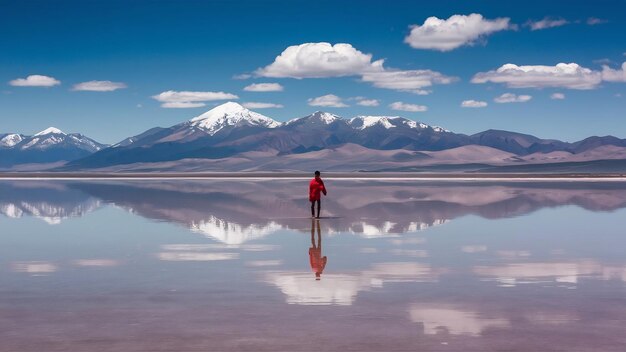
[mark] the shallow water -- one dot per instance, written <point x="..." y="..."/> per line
<point x="227" y="265"/>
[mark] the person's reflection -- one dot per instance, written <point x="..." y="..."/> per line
<point x="318" y="263"/>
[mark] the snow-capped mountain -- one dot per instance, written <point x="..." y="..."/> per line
<point x="317" y="118"/>
<point x="230" y="114"/>
<point x="8" y="140"/>
<point x="48" y="146"/>
<point x="200" y="137"/>
<point x="54" y="137"/>
<point x="387" y="122"/>
<point x="363" y="122"/>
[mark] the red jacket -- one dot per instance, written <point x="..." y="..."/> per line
<point x="318" y="263"/>
<point x="316" y="186"/>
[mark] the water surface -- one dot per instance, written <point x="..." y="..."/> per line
<point x="231" y="265"/>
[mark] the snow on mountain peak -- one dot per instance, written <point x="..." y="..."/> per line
<point x="440" y="129"/>
<point x="230" y="114"/>
<point x="49" y="130"/>
<point x="325" y="117"/>
<point x="10" y="140"/>
<point x="363" y="122"/>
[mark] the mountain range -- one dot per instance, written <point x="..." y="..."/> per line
<point x="48" y="148"/>
<point x="230" y="137"/>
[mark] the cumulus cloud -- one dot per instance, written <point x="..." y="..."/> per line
<point x="398" y="105"/>
<point x="546" y="23"/>
<point x="473" y="104"/>
<point x="329" y="100"/>
<point x="264" y="87"/>
<point x="320" y="60"/>
<point x="456" y="31"/>
<point x="512" y="98"/>
<point x="255" y="105"/>
<point x="35" y="81"/>
<point x="592" y="21"/>
<point x="188" y="99"/>
<point x="572" y="76"/>
<point x="612" y="75"/>
<point x="99" y="86"/>
<point x="413" y="81"/>
<point x="367" y="102"/>
<point x="557" y="96"/>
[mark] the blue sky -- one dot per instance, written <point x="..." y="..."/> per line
<point x="150" y="47"/>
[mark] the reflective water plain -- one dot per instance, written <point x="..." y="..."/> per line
<point x="235" y="265"/>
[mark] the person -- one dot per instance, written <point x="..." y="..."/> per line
<point x="318" y="263"/>
<point x="316" y="187"/>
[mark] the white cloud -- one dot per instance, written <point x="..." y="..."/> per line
<point x="592" y="21"/>
<point x="264" y="87"/>
<point x="368" y="102"/>
<point x="512" y="98"/>
<point x="187" y="99"/>
<point x="317" y="60"/>
<point x="456" y="31"/>
<point x="182" y="105"/>
<point x="242" y="76"/>
<point x="320" y="60"/>
<point x="413" y="81"/>
<point x="611" y="75"/>
<point x="329" y="100"/>
<point x="546" y="23"/>
<point x="255" y="105"/>
<point x="572" y="76"/>
<point x="557" y="96"/>
<point x="35" y="81"/>
<point x="473" y="104"/>
<point x="398" y="105"/>
<point x="99" y="86"/>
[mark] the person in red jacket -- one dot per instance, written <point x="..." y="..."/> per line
<point x="316" y="187"/>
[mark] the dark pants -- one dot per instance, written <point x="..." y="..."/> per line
<point x="319" y="204"/>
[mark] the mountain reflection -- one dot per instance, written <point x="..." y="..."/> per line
<point x="51" y="202"/>
<point x="237" y="211"/>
